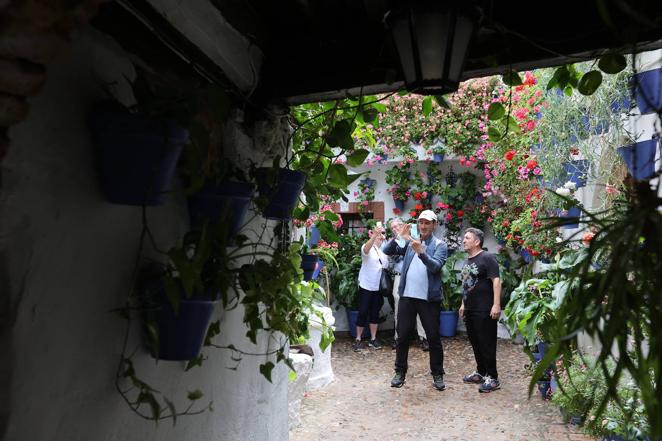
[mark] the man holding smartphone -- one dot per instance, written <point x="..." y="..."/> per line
<point x="420" y="294"/>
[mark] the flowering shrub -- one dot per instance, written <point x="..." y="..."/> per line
<point x="399" y="179"/>
<point x="366" y="193"/>
<point x="463" y="127"/>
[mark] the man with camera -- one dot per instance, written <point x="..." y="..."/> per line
<point x="420" y="293"/>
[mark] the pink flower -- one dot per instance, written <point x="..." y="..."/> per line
<point x="537" y="171"/>
<point x="356" y="193"/>
<point x="365" y="203"/>
<point x="610" y="189"/>
<point x="424" y="194"/>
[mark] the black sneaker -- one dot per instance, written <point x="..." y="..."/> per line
<point x="375" y="344"/>
<point x="474" y="378"/>
<point x="357" y="346"/>
<point x="398" y="379"/>
<point x="489" y="385"/>
<point x="425" y="346"/>
<point x="438" y="382"/>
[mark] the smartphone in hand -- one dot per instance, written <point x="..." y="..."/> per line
<point x="414" y="232"/>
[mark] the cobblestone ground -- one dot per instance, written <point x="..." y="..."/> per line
<point x="361" y="405"/>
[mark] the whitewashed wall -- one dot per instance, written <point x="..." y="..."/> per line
<point x="66" y="261"/>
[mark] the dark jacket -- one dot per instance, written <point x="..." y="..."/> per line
<point x="434" y="258"/>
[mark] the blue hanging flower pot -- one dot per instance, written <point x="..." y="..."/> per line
<point x="647" y="89"/>
<point x="640" y="158"/>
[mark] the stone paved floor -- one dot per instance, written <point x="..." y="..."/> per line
<point x="360" y="404"/>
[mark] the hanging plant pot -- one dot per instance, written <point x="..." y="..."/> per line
<point x="139" y="154"/>
<point x="282" y="190"/>
<point x="448" y="323"/>
<point x="230" y="199"/>
<point x="647" y="89"/>
<point x="315" y="236"/>
<point x="640" y="158"/>
<point x="526" y="256"/>
<point x="577" y="171"/>
<point x="572" y="215"/>
<point x="181" y="334"/>
<point x="399" y="204"/>
<point x="438" y="158"/>
<point x="369" y="183"/>
<point x="308" y="265"/>
<point x="352" y="316"/>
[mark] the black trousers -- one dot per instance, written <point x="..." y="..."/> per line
<point x="408" y="308"/>
<point x="482" y="332"/>
<point x="370" y="303"/>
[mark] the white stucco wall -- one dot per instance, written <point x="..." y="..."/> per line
<point x="68" y="258"/>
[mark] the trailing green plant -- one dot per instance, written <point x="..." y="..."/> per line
<point x="325" y="132"/>
<point x="581" y="385"/>
<point x="616" y="299"/>
<point x="451" y="282"/>
<point x="345" y="281"/>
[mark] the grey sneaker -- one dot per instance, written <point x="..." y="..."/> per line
<point x="398" y="379"/>
<point x="375" y="344"/>
<point x="474" y="377"/>
<point x="357" y="346"/>
<point x="490" y="384"/>
<point x="438" y="382"/>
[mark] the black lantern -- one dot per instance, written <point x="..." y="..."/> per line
<point x="451" y="177"/>
<point x="432" y="40"/>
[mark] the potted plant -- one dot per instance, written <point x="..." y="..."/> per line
<point x="438" y="150"/>
<point x="399" y="179"/>
<point x="279" y="190"/>
<point x="139" y="146"/>
<point x="452" y="298"/>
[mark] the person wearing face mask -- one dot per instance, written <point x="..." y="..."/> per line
<point x="420" y="293"/>
<point x="373" y="262"/>
<point x="395" y="264"/>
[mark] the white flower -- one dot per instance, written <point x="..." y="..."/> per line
<point x="563" y="191"/>
<point x="559" y="240"/>
<point x="570" y="186"/>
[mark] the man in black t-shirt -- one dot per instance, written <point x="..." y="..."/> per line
<point x="481" y="309"/>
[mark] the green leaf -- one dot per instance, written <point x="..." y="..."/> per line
<point x="381" y="108"/>
<point x="442" y="101"/>
<point x="590" y="82"/>
<point x="291" y="376"/>
<point x="493" y="134"/>
<point x="341" y="135"/>
<point x="337" y="175"/>
<point x="357" y="157"/>
<point x="427" y="106"/>
<point x="370" y="114"/>
<point x="265" y="370"/>
<point x="197" y="361"/>
<point x="511" y="79"/>
<point x="510" y="125"/>
<point x="195" y="395"/>
<point x="495" y="112"/>
<point x="173" y="411"/>
<point x="612" y="64"/>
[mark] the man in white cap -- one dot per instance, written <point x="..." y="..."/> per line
<point x="420" y="293"/>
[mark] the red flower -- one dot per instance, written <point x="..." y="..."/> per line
<point x="534" y="253"/>
<point x="531" y="164"/>
<point x="510" y="154"/>
<point x="412" y="213"/>
<point x="396" y="211"/>
<point x="505" y="223"/>
<point x="418" y="206"/>
<point x="460" y="213"/>
<point x="449" y="216"/>
<point x="417" y="196"/>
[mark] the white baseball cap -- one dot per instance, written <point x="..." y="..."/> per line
<point x="428" y="214"/>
